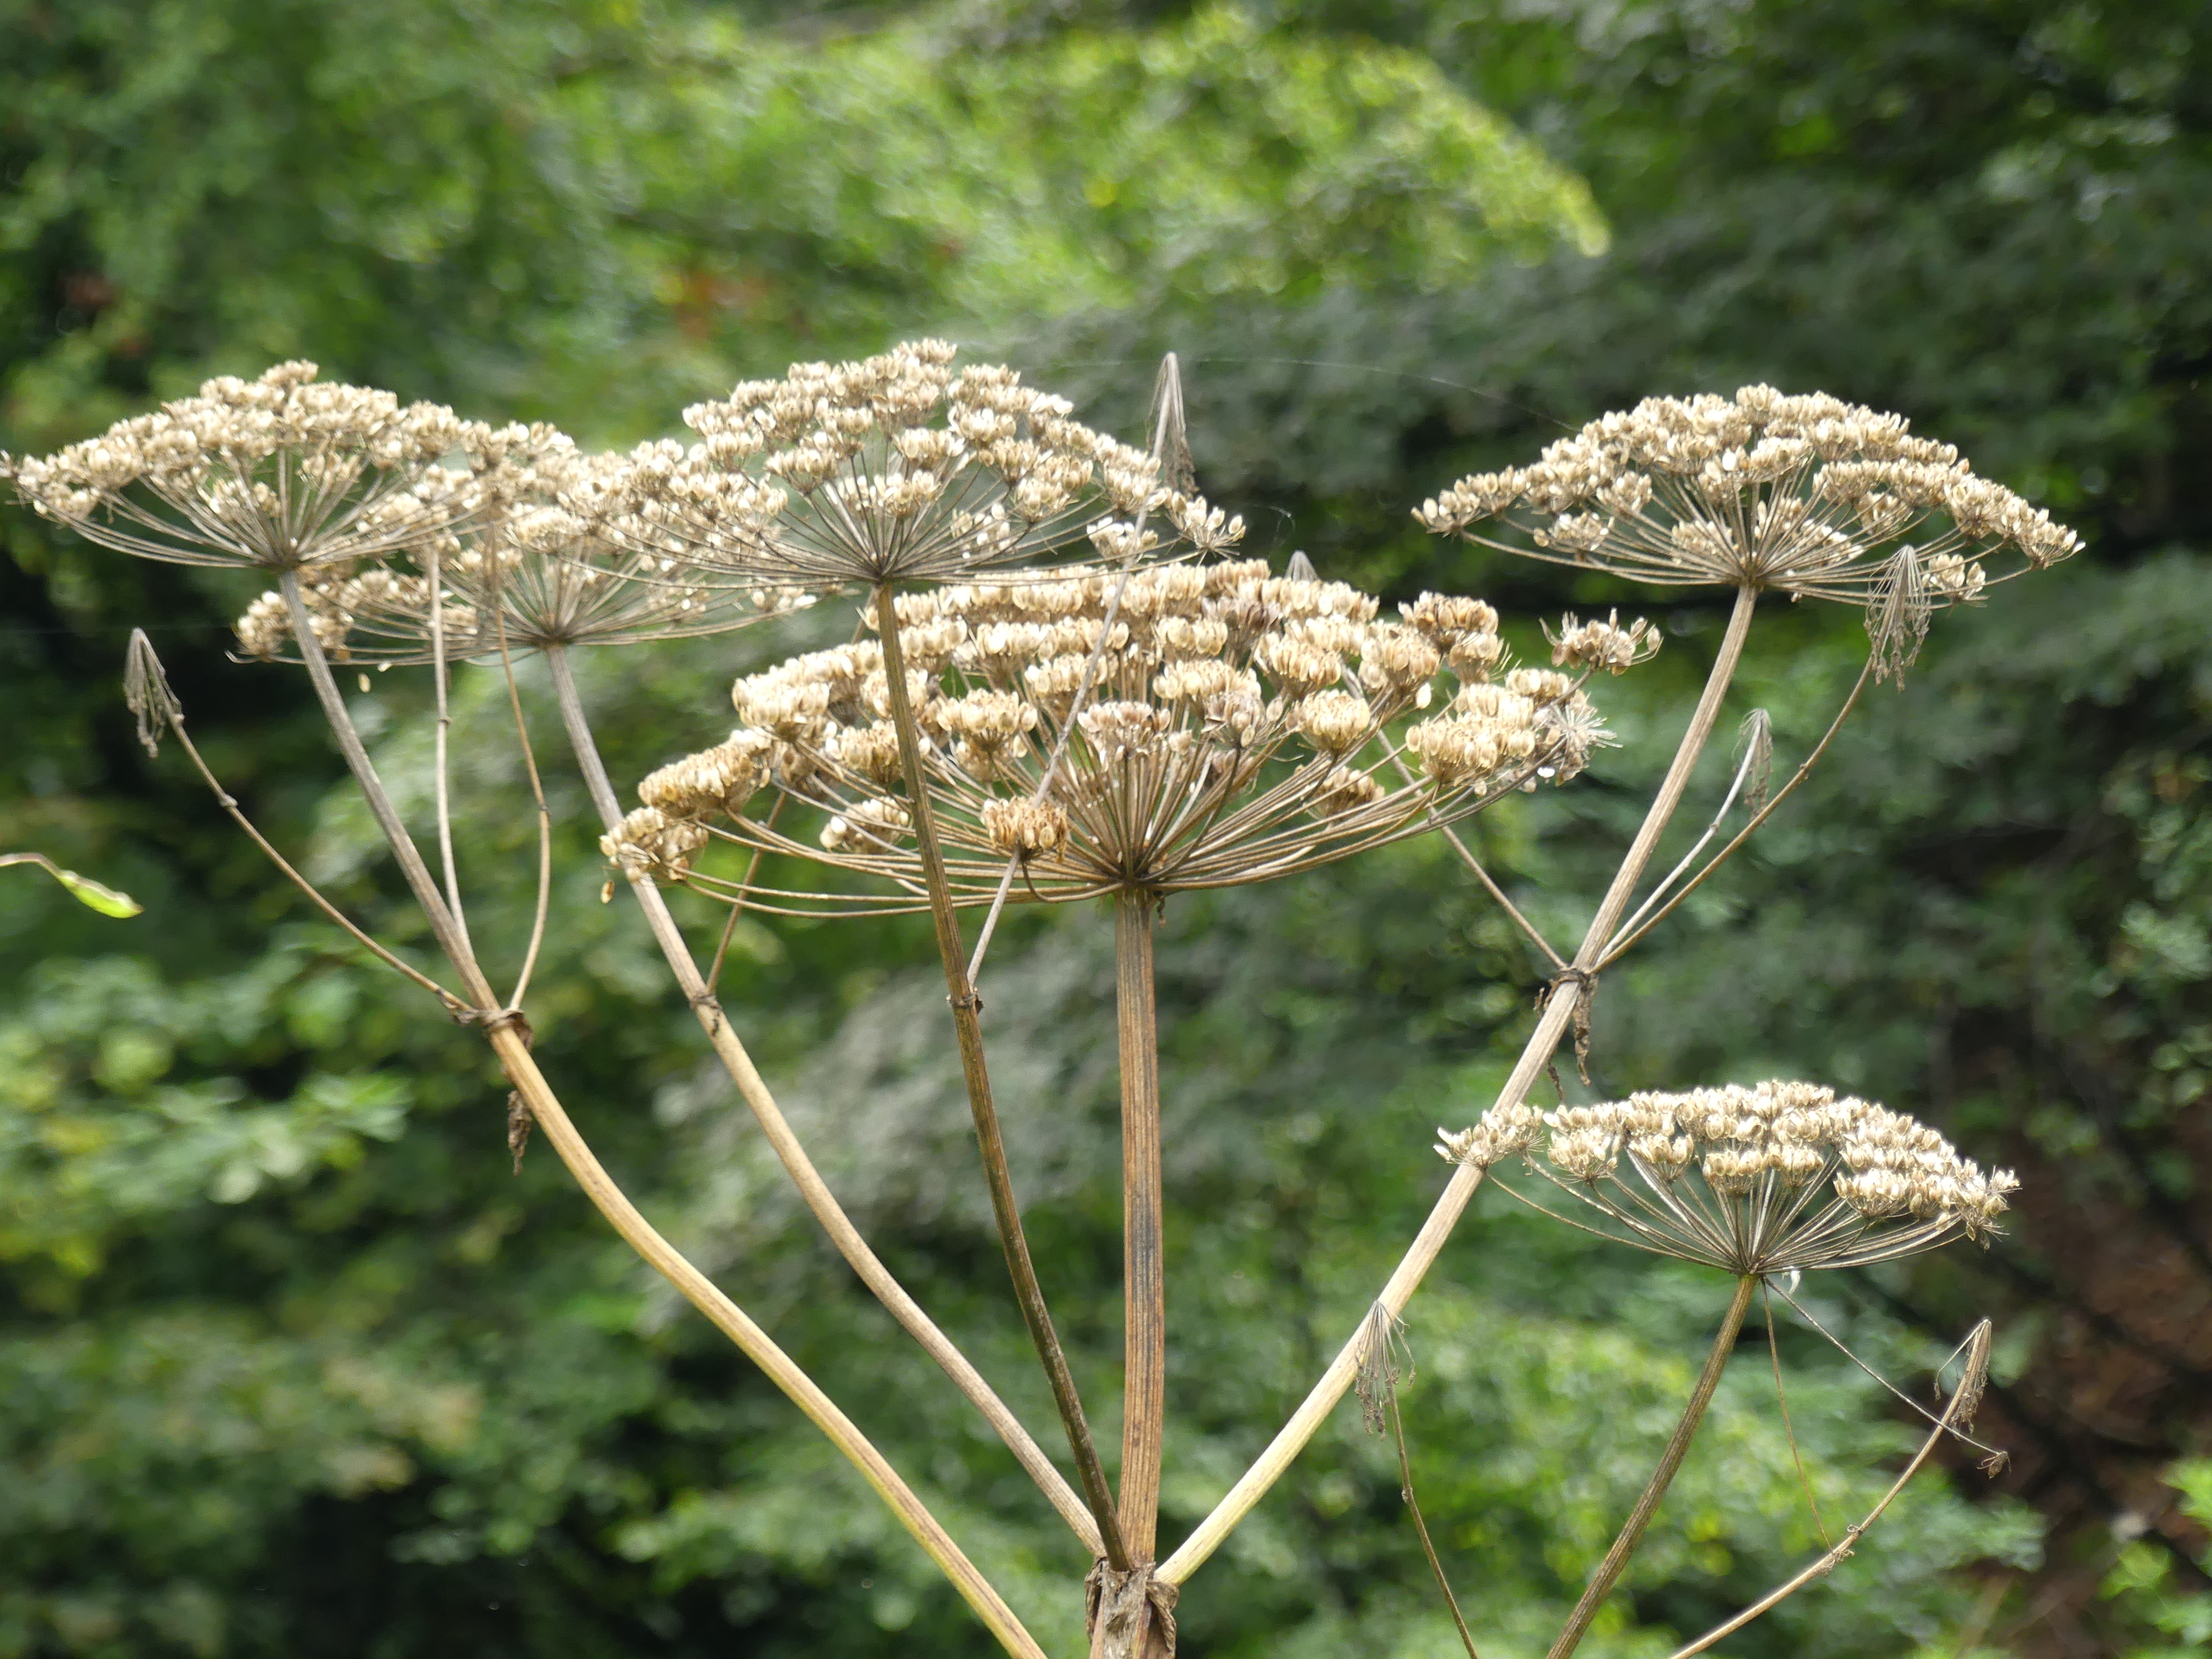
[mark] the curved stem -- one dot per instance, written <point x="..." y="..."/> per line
<point x="812" y="1189"/>
<point x="757" y="1346"/>
<point x="1143" y="1276"/>
<point x="961" y="991"/>
<point x="1420" y="1526"/>
<point x="439" y="770"/>
<point x="502" y="1030"/>
<point x="1963" y="1400"/>
<point x="1550" y="1025"/>
<point x="1678" y="1446"/>
<point x="171" y="715"/>
<point x="544" y="817"/>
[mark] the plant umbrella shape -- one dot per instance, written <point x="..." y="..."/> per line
<point x="1806" y="496"/>
<point x="1241" y="731"/>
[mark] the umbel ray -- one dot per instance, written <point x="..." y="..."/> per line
<point x="1067" y="684"/>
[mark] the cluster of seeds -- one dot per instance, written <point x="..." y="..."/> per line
<point x="564" y="563"/>
<point x="1805" y="496"/>
<point x="897" y="468"/>
<point x="1236" y="725"/>
<point x="1781" y="1177"/>
<point x="276" y="473"/>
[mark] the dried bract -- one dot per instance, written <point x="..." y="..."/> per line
<point x="1805" y="496"/>
<point x="1241" y="726"/>
<point x="277" y="473"/>
<point x="1780" y="1178"/>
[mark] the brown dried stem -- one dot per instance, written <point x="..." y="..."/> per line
<point x="812" y="1189"/>
<point x="1413" y="1508"/>
<point x="503" y="1030"/>
<point x="968" y="1026"/>
<point x="730" y="1320"/>
<point x="1552" y="1025"/>
<point x="1960" y="1409"/>
<point x="1144" y="1277"/>
<point x="1678" y="1446"/>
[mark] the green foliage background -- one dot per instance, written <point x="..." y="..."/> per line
<point x="290" y="1363"/>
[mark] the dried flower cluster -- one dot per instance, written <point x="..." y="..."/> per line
<point x="275" y="473"/>
<point x="898" y="469"/>
<point x="1805" y="496"/>
<point x="1781" y="1177"/>
<point x="1239" y="727"/>
<point x="563" y="562"/>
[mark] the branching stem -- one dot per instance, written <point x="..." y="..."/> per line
<point x="1619" y="947"/>
<point x="503" y="1030"/>
<point x="730" y="1320"/>
<point x="1552" y="1025"/>
<point x="1678" y="1446"/>
<point x="812" y="1189"/>
<point x="1962" y="1399"/>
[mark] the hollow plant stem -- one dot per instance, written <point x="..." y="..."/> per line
<point x="1551" y="1026"/>
<point x="1647" y="1505"/>
<point x="730" y="1320"/>
<point x="503" y="1031"/>
<point x="820" y="1201"/>
<point x="976" y="1072"/>
<point x="1143" y="1276"/>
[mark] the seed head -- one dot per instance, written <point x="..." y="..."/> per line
<point x="278" y="473"/>
<point x="1804" y="496"/>
<point x="1239" y="725"/>
<point x="1781" y="1178"/>
<point x="899" y="468"/>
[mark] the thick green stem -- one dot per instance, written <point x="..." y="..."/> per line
<point x="811" y="1187"/>
<point x="1143" y="1276"/>
<point x="1632" y="1533"/>
<point x="968" y="1026"/>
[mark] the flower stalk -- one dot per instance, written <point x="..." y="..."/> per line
<point x="976" y="1072"/>
<point x="1647" y="1505"/>
<point x="813" y="1191"/>
<point x="1552" y="1025"/>
<point x="1144" y="1270"/>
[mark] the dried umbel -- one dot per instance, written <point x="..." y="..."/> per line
<point x="1779" y="1178"/>
<point x="1240" y="727"/>
<point x="278" y="473"/>
<point x="561" y="562"/>
<point x="899" y="469"/>
<point x="1805" y="496"/>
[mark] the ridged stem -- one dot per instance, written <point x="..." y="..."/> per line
<point x="960" y="991"/>
<point x="1143" y="1276"/>
<point x="813" y="1191"/>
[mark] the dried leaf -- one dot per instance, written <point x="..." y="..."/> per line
<point x="1755" y="739"/>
